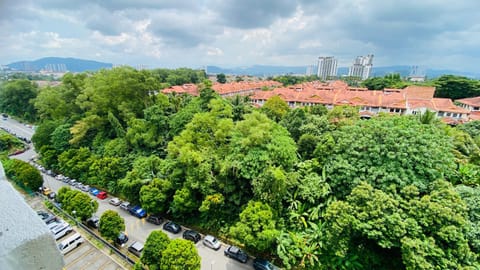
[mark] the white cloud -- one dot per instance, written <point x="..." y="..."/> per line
<point x="434" y="33"/>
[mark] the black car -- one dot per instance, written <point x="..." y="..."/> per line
<point x="121" y="239"/>
<point x="47" y="217"/>
<point x="93" y="222"/>
<point x="236" y="253"/>
<point x="262" y="264"/>
<point x="191" y="235"/>
<point x="172" y="227"/>
<point x="155" y="219"/>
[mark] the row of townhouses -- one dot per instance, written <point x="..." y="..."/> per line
<point x="408" y="101"/>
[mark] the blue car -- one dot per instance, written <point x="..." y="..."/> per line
<point x="94" y="191"/>
<point x="138" y="211"/>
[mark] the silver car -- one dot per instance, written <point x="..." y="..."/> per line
<point x="211" y="242"/>
<point x="115" y="201"/>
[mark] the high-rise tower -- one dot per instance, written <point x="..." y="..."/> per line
<point x="327" y="67"/>
<point x="362" y="67"/>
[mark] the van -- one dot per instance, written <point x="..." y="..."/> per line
<point x="61" y="230"/>
<point x="70" y="243"/>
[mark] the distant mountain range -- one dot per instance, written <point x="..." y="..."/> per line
<point x="58" y="64"/>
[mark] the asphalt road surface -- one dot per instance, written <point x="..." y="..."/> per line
<point x="136" y="229"/>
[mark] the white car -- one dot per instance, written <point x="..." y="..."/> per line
<point x="115" y="201"/>
<point x="211" y="242"/>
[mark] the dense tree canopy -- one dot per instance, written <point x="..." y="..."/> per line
<point x="16" y="98"/>
<point x="310" y="188"/>
<point x="111" y="224"/>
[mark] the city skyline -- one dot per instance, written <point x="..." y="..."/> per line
<point x="242" y="33"/>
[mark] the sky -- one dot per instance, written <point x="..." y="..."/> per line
<point x="439" y="34"/>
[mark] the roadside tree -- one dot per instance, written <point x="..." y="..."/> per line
<point x="111" y="224"/>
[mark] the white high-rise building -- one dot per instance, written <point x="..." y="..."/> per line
<point x="362" y="67"/>
<point x="327" y="67"/>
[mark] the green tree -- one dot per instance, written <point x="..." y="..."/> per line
<point x="407" y="229"/>
<point x="76" y="203"/>
<point x="275" y="108"/>
<point x="157" y="242"/>
<point x="16" y="98"/>
<point x="456" y="87"/>
<point x="293" y="120"/>
<point x="257" y="227"/>
<point x="221" y="78"/>
<point x="390" y="151"/>
<point x="154" y="196"/>
<point x="180" y="254"/>
<point x="23" y="174"/>
<point x="111" y="224"/>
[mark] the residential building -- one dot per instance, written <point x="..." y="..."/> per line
<point x="327" y="68"/>
<point x="243" y="88"/>
<point x="409" y="101"/>
<point x="362" y="67"/>
<point x="472" y="105"/>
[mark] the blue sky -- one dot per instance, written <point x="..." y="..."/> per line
<point x="193" y="33"/>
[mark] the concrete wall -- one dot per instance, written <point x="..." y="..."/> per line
<point x="25" y="241"/>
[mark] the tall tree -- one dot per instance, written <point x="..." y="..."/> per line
<point x="456" y="87"/>
<point x="157" y="242"/>
<point x="221" y="78"/>
<point x="180" y="254"/>
<point x="275" y="108"/>
<point x="16" y="98"/>
<point x="111" y="224"/>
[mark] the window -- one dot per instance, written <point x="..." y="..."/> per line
<point x="455" y="115"/>
<point x="476" y="108"/>
<point x="440" y="114"/>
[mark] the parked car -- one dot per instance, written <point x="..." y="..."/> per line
<point x="125" y="206"/>
<point x="93" y="222"/>
<point x="172" y="227"/>
<point x="47" y="217"/>
<point x="155" y="219"/>
<point x="102" y="195"/>
<point x="138" y="211"/>
<point x="236" y="253"/>
<point x="136" y="248"/>
<point x="94" y="191"/>
<point x="121" y="239"/>
<point x="52" y="195"/>
<point x="211" y="242"/>
<point x="72" y="182"/>
<point x="70" y="243"/>
<point x="85" y="188"/>
<point x="262" y="264"/>
<point x="61" y="230"/>
<point x="115" y="201"/>
<point x="192" y="235"/>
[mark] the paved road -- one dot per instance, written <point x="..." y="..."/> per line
<point x="137" y="229"/>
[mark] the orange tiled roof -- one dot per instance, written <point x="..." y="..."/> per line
<point x="238" y="87"/>
<point x="474" y="101"/>
<point x="189" y="88"/>
<point x="420" y="92"/>
<point x="474" y="116"/>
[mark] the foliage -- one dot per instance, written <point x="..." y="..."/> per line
<point x="157" y="242"/>
<point x="23" y="174"/>
<point x="388" y="81"/>
<point x="387" y="152"/>
<point x="8" y="142"/>
<point x="471" y="197"/>
<point x="111" y="224"/>
<point x="76" y="203"/>
<point x="221" y="78"/>
<point x="256" y="227"/>
<point x="405" y="229"/>
<point x="180" y="254"/>
<point x="456" y="87"/>
<point x="291" y="79"/>
<point x="154" y="196"/>
<point x="75" y="163"/>
<point x="275" y="108"/>
<point x="16" y="98"/>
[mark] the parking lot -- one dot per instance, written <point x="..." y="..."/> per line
<point x="84" y="257"/>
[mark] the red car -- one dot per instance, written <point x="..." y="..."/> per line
<point x="102" y="195"/>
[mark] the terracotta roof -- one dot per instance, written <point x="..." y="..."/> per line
<point x="239" y="87"/>
<point x="446" y="105"/>
<point x="474" y="101"/>
<point x="474" y="116"/>
<point x="191" y="89"/>
<point x="423" y="92"/>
